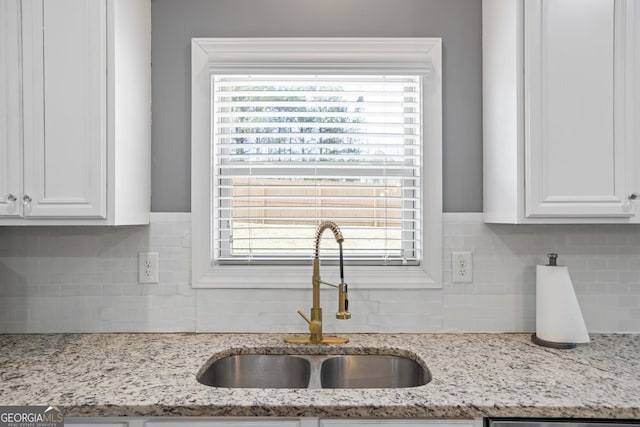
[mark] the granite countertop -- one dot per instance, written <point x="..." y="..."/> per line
<point x="474" y="375"/>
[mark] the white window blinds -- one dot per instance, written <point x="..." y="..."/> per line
<point x="292" y="150"/>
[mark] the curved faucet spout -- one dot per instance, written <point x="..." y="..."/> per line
<point x="336" y="233"/>
<point x="339" y="238"/>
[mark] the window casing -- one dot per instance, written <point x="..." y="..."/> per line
<point x="220" y="169"/>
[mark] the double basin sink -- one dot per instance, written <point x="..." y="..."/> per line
<point x="314" y="371"/>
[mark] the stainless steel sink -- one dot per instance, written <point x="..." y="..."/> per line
<point x="372" y="371"/>
<point x="257" y="371"/>
<point x="314" y="371"/>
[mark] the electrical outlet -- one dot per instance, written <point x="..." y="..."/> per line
<point x="461" y="267"/>
<point x="148" y="267"/>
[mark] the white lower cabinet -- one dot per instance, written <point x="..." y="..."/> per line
<point x="227" y="422"/>
<point x="267" y="422"/>
<point x="560" y="110"/>
<point x="398" y="423"/>
<point x="192" y="422"/>
<point x="75" y="138"/>
<point x="96" y="423"/>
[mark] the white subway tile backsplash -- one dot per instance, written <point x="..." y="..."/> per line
<point x="84" y="279"/>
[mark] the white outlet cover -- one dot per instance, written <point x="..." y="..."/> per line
<point x="461" y="267"/>
<point x="148" y="267"/>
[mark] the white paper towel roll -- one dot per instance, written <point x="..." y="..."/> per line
<point x="558" y="315"/>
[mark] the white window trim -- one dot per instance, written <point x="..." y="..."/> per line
<point x="318" y="55"/>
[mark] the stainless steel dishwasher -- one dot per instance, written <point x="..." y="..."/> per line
<point x="553" y="422"/>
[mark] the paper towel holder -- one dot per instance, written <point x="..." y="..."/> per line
<point x="553" y="262"/>
<point x="560" y="344"/>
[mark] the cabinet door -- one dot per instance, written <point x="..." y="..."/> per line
<point x="575" y="62"/>
<point x="64" y="75"/>
<point x="10" y="108"/>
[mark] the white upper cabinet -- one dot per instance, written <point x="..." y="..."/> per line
<point x="83" y="114"/>
<point x="559" y="110"/>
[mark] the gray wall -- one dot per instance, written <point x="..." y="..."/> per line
<point x="457" y="22"/>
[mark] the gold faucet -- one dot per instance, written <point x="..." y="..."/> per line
<point x="315" y="323"/>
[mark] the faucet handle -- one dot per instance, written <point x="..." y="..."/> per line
<point x="315" y="327"/>
<point x="304" y="316"/>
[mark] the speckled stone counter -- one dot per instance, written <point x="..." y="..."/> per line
<point x="474" y="375"/>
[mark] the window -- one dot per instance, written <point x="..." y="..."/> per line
<point x="289" y="132"/>
<point x="292" y="150"/>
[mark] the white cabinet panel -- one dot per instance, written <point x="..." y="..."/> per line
<point x="575" y="154"/>
<point x="65" y="108"/>
<point x="10" y="108"/>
